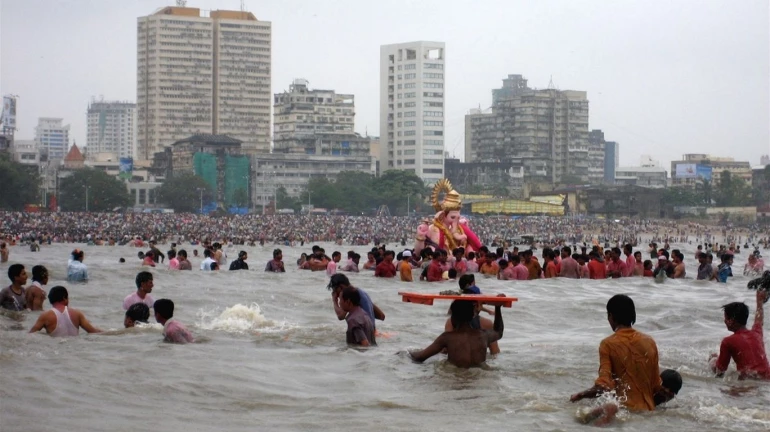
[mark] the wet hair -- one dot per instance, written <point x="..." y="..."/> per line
<point x="77" y="254"/>
<point x="336" y="254"/>
<point x="515" y="259"/>
<point x="503" y="264"/>
<point x="466" y="280"/>
<point x="182" y="253"/>
<point x="315" y="248"/>
<point x="140" y="255"/>
<point x="672" y="380"/>
<point x="138" y="312"/>
<point x="726" y="257"/>
<point x="277" y="252"/>
<point x="242" y="254"/>
<point x="471" y="255"/>
<point x="452" y="273"/>
<point x="338" y="280"/>
<point x="351" y="294"/>
<point x="462" y="311"/>
<point x="351" y="254"/>
<point x="171" y="254"/>
<point x="143" y="277"/>
<point x="616" y="251"/>
<point x="737" y="311"/>
<point x="647" y="264"/>
<point x="391" y="253"/>
<point x="499" y="251"/>
<point x="14" y="271"/>
<point x="122" y="260"/>
<point x="57" y="294"/>
<point x="214" y="266"/>
<point x="38" y="273"/>
<point x="207" y="253"/>
<point x="164" y="308"/>
<point x="622" y="309"/>
<point x="436" y="254"/>
<point x="664" y="253"/>
<point x="567" y="249"/>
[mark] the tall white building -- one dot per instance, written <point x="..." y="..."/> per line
<point x="203" y="74"/>
<point x="412" y="108"/>
<point x="52" y="137"/>
<point x="111" y="128"/>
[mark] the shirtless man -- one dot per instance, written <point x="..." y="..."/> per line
<point x="679" y="269"/>
<point x="61" y="321"/>
<point x="35" y="294"/>
<point x="466" y="347"/>
<point x="4" y="252"/>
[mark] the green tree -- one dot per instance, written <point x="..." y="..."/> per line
<point x="732" y="191"/>
<point x="283" y="200"/>
<point x="681" y="196"/>
<point x="500" y="190"/>
<point x="102" y="191"/>
<point x="241" y="197"/>
<point x="20" y="184"/>
<point x="182" y="192"/>
<point x="394" y="186"/>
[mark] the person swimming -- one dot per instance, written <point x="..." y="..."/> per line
<point x="138" y="312"/>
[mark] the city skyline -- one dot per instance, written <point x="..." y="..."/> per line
<point x="662" y="79"/>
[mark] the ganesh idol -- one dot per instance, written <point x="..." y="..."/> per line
<point x="448" y="230"/>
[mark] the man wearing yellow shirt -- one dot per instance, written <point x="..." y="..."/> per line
<point x="628" y="364"/>
<point x="404" y="267"/>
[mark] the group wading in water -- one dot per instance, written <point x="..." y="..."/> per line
<point x="447" y="249"/>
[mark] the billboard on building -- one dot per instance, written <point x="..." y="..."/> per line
<point x="686" y="171"/>
<point x="703" y="172"/>
<point x="8" y="115"/>
<point x="126" y="167"/>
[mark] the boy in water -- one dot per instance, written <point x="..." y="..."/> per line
<point x="745" y="346"/>
<point x="466" y="346"/>
<point x="628" y="364"/>
<point x="360" y="326"/>
<point x="173" y="330"/>
<point x="138" y="312"/>
<point x="35" y="294"/>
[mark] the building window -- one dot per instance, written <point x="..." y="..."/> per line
<point x="410" y="114"/>
<point x="432" y="123"/>
<point x="433" y="161"/>
<point x="432" y="133"/>
<point x="433" y="113"/>
<point x="408" y="85"/>
<point x="409" y="142"/>
<point x="432" y="170"/>
<point x="433" y="104"/>
<point x="408" y="104"/>
<point x="428" y="75"/>
<point x="433" y="95"/>
<point x="409" y="133"/>
<point x="408" y="161"/>
<point x="410" y="76"/>
<point x="408" y="152"/>
<point x="408" y="124"/>
<point x="410" y="95"/>
<point x="411" y="66"/>
<point x="433" y="66"/>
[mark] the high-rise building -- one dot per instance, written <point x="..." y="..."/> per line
<point x="596" y="150"/>
<point x="52" y="137"/>
<point x="111" y="128"/>
<point x="202" y="74"/>
<point x="611" y="160"/>
<point x="544" y="131"/>
<point x="316" y="122"/>
<point x="412" y="108"/>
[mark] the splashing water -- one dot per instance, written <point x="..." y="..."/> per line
<point x="237" y="319"/>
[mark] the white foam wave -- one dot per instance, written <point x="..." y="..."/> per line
<point x="238" y="319"/>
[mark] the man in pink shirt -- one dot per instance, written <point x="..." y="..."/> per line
<point x="331" y="267"/>
<point x="520" y="271"/>
<point x="616" y="268"/>
<point x="144" y="286"/>
<point x="173" y="262"/>
<point x="630" y="260"/>
<point x="173" y="330"/>
<point x="569" y="267"/>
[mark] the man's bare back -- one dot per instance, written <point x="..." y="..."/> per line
<point x="465" y="346"/>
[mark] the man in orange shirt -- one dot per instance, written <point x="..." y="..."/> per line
<point x="404" y="267"/>
<point x="628" y="364"/>
<point x="596" y="268"/>
<point x="532" y="265"/>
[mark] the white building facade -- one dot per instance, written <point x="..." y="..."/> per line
<point x="52" y="137"/>
<point x="202" y="75"/>
<point x="111" y="128"/>
<point x="412" y="98"/>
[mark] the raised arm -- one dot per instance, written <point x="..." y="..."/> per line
<point x="497" y="330"/>
<point x="341" y="314"/>
<point x="378" y="313"/>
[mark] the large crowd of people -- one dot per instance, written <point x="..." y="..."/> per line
<point x="518" y="249"/>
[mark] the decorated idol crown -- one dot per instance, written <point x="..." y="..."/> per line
<point x="451" y="201"/>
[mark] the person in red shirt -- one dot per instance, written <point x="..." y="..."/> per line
<point x="616" y="267"/>
<point x="647" y="269"/>
<point x="745" y="346"/>
<point x="436" y="267"/>
<point x="549" y="269"/>
<point x="386" y="268"/>
<point x="596" y="268"/>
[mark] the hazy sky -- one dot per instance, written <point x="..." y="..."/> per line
<point x="663" y="77"/>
